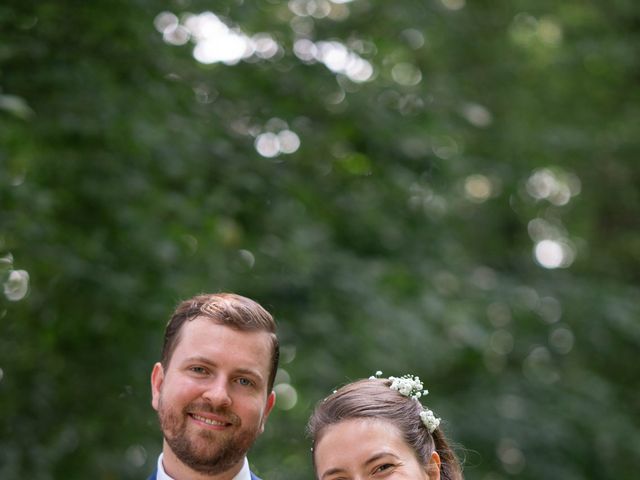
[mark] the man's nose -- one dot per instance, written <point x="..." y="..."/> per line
<point x="217" y="393"/>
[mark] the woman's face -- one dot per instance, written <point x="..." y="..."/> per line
<point x="365" y="448"/>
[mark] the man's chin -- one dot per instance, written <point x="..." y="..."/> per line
<point x="205" y="456"/>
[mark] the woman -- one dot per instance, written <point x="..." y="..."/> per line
<point x="377" y="428"/>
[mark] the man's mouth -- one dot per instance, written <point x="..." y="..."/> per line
<point x="210" y="421"/>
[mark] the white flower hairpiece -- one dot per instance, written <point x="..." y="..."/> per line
<point x="429" y="419"/>
<point x="411" y="386"/>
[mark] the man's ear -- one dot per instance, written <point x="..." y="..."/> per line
<point x="433" y="467"/>
<point x="271" y="401"/>
<point x="157" y="377"/>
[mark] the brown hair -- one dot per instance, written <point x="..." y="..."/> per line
<point x="373" y="398"/>
<point x="234" y="311"/>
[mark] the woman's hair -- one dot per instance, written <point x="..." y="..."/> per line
<point x="373" y="398"/>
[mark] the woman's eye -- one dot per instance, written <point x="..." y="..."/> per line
<point x="383" y="468"/>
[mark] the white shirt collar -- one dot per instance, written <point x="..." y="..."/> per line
<point x="243" y="474"/>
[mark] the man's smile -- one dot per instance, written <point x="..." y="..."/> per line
<point x="213" y="422"/>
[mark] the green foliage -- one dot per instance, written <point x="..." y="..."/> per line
<point x="398" y="236"/>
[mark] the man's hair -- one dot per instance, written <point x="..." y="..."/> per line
<point x="228" y="309"/>
<point x="374" y="399"/>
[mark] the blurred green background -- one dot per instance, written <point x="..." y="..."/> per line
<point x="447" y="188"/>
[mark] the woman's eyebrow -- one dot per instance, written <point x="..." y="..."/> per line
<point x="332" y="471"/>
<point x="380" y="455"/>
<point x="371" y="459"/>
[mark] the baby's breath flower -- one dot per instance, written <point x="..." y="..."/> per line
<point x="429" y="419"/>
<point x="409" y="386"/>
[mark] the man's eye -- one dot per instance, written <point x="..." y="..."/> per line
<point x="199" y="370"/>
<point x="245" y="382"/>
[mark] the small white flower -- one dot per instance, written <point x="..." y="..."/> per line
<point x="409" y="386"/>
<point x="429" y="420"/>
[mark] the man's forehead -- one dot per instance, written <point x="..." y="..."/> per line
<point x="205" y="323"/>
<point x="208" y="335"/>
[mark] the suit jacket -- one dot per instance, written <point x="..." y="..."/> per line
<point x="153" y="476"/>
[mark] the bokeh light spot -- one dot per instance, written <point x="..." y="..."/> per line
<point x="287" y="354"/>
<point x="549" y="253"/>
<point x="501" y="342"/>
<point x="164" y="21"/>
<point x="406" y="74"/>
<point x="561" y="340"/>
<point x="445" y="147"/>
<point x="549" y="31"/>
<point x="214" y="40"/>
<point x="248" y="258"/>
<point x="270" y="144"/>
<point x="176" y="36"/>
<point x="17" y="285"/>
<point x="553" y="254"/>
<point x="265" y="46"/>
<point x="541" y="229"/>
<point x="523" y="28"/>
<point x="511" y="456"/>
<point x="267" y="144"/>
<point x="453" y="4"/>
<point x="289" y="141"/>
<point x="305" y="50"/>
<point x="414" y="38"/>
<point x="287" y="396"/>
<point x="477" y="188"/>
<point x="336" y="57"/>
<point x="549" y="309"/>
<point x="136" y="455"/>
<point x="537" y="366"/>
<point x="229" y="48"/>
<point x="477" y="115"/>
<point x="554" y="185"/>
<point x="528" y="31"/>
<point x="282" y="376"/>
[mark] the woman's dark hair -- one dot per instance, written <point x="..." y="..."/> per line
<point x="373" y="398"/>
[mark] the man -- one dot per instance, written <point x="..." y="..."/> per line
<point x="213" y="388"/>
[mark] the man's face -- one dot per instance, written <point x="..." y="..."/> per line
<point x="212" y="399"/>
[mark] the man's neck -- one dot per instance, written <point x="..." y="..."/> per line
<point x="179" y="471"/>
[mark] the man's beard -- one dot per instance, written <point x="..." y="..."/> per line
<point x="206" y="451"/>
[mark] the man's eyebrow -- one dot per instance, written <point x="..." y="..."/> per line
<point x="199" y="359"/>
<point x="248" y="371"/>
